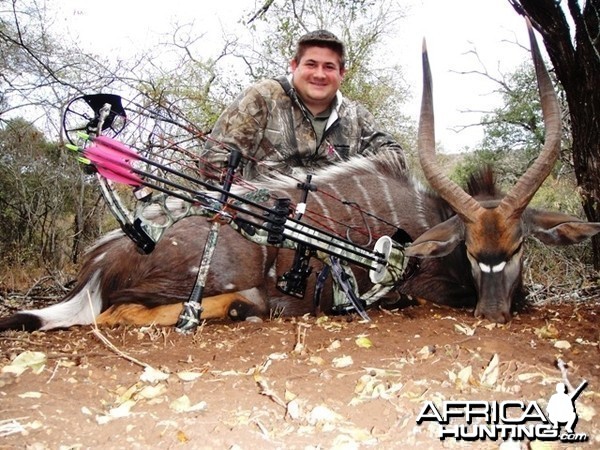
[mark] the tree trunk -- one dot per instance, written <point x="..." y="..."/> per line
<point x="586" y="158"/>
<point x="577" y="66"/>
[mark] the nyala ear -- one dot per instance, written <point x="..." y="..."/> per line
<point x="438" y="241"/>
<point x="554" y="228"/>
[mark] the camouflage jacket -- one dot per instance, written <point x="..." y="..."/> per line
<point x="273" y="129"/>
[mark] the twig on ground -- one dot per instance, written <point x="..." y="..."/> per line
<point x="562" y="366"/>
<point x="111" y="346"/>
<point x="265" y="389"/>
<point x="11" y="426"/>
<point x="301" y="337"/>
<point x="36" y="284"/>
<point x="53" y="372"/>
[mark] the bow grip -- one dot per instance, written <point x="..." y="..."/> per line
<point x="136" y="233"/>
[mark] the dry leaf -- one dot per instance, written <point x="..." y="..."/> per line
<point x="184" y="404"/>
<point x="461" y="379"/>
<point x="321" y="320"/>
<point x="152" y="375"/>
<point x="585" y="412"/>
<point x="358" y="435"/>
<point x="465" y="329"/>
<point x="289" y="396"/>
<point x="490" y="374"/>
<point x="465" y="374"/>
<point x="334" y="346"/>
<point x="150" y="392"/>
<point x="342" y="361"/>
<point x="586" y="342"/>
<point x="316" y="360"/>
<point x="529" y="376"/>
<point x="31" y="395"/>
<point x="562" y="345"/>
<point x="128" y="393"/>
<point x="36" y="361"/>
<point x="426" y="351"/>
<point x="384" y="372"/>
<point x="293" y="410"/>
<point x="181" y="437"/>
<point x="188" y="376"/>
<point x="123" y="410"/>
<point x="369" y="387"/>
<point x="322" y="414"/>
<point x="546" y="332"/>
<point x="363" y="342"/>
<point x="511" y="445"/>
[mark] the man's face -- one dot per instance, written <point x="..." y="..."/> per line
<point x="317" y="77"/>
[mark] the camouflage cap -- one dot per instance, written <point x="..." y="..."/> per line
<point x="323" y="38"/>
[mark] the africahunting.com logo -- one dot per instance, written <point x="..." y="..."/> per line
<point x="508" y="420"/>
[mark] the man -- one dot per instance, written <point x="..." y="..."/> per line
<point x="297" y="121"/>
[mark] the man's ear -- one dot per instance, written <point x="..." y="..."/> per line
<point x="293" y="65"/>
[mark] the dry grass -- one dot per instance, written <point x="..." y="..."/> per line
<point x="559" y="273"/>
<point x="24" y="277"/>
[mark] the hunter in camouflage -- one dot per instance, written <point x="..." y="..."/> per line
<point x="297" y="121"/>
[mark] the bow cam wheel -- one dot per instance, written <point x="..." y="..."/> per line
<point x="85" y="114"/>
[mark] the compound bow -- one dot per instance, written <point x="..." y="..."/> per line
<point x="157" y="186"/>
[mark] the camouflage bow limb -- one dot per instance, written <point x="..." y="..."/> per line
<point x="189" y="318"/>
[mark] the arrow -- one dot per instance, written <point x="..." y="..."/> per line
<point x="111" y="159"/>
<point x="112" y="164"/>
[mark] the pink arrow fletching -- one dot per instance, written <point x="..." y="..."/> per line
<point x="119" y="177"/>
<point x="116" y="145"/>
<point x="113" y="164"/>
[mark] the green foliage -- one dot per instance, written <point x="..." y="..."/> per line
<point x="516" y="130"/>
<point x="517" y="125"/>
<point x="471" y="162"/>
<point x="37" y="196"/>
<point x="513" y="138"/>
<point x="559" y="194"/>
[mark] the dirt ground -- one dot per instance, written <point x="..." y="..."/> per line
<point x="303" y="383"/>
